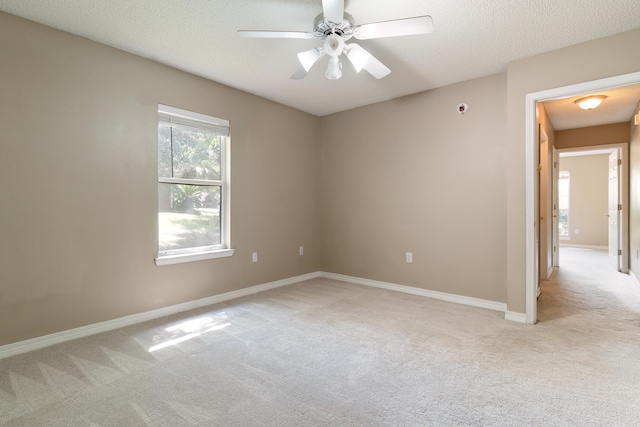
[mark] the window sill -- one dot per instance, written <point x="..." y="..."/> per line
<point x="199" y="256"/>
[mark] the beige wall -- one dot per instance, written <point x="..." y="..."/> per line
<point x="78" y="143"/>
<point x="588" y="199"/>
<point x="414" y="175"/>
<point x="634" y="196"/>
<point x="616" y="133"/>
<point x="576" y="64"/>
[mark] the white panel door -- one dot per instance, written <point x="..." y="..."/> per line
<point x="536" y="223"/>
<point x="614" y="211"/>
<point x="555" y="209"/>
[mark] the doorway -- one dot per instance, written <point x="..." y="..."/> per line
<point x="591" y="191"/>
<point x="531" y="166"/>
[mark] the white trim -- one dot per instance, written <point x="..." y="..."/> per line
<point x="225" y="223"/>
<point x="531" y="300"/>
<point x="515" y="317"/>
<point x="198" y="256"/>
<point x="531" y="100"/>
<point x="459" y="299"/>
<point x="596" y="247"/>
<point x="192" y="115"/>
<point x="109" y="325"/>
<point x="592" y="150"/>
<point x="635" y="281"/>
<point x="189" y="181"/>
<point x="550" y="272"/>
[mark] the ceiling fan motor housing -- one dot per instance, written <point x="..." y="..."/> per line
<point x="324" y="28"/>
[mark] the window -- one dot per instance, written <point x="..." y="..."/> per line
<point x="193" y="186"/>
<point x="563" y="205"/>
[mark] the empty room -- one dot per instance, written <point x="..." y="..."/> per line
<point x="318" y="212"/>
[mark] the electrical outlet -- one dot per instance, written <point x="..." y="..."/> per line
<point x="301" y="250"/>
<point x="576" y="231"/>
<point x="254" y="257"/>
<point x="409" y="257"/>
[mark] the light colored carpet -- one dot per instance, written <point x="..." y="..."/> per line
<point x="326" y="353"/>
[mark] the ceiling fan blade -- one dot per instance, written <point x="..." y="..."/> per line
<point x="361" y="59"/>
<point x="299" y="74"/>
<point x="398" y="27"/>
<point x="376" y="68"/>
<point x="274" y="34"/>
<point x="333" y="10"/>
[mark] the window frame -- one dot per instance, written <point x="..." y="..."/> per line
<point x="176" y="256"/>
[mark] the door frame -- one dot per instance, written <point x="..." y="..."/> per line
<point x="545" y="264"/>
<point x="531" y="195"/>
<point x="623" y="192"/>
<point x="555" y="237"/>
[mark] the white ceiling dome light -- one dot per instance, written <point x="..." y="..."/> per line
<point x="590" y="102"/>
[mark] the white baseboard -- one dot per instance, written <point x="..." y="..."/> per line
<point x="109" y="325"/>
<point x="515" y="317"/>
<point x="549" y="273"/>
<point x="596" y="247"/>
<point x="475" y="302"/>
<point x="635" y="281"/>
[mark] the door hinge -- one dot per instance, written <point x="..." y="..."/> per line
<point x="554" y="249"/>
<point x="619" y="207"/>
<point x="619" y="251"/>
<point x="619" y="162"/>
<point x="555" y="165"/>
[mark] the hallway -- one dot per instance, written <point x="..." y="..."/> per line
<point x="588" y="288"/>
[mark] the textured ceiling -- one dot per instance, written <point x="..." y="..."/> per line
<point x="471" y="39"/>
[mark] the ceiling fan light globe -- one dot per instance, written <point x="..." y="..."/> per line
<point x="308" y="58"/>
<point x="334" y="45"/>
<point x="334" y="69"/>
<point x="358" y="58"/>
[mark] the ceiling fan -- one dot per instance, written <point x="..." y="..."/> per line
<point x="336" y="27"/>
